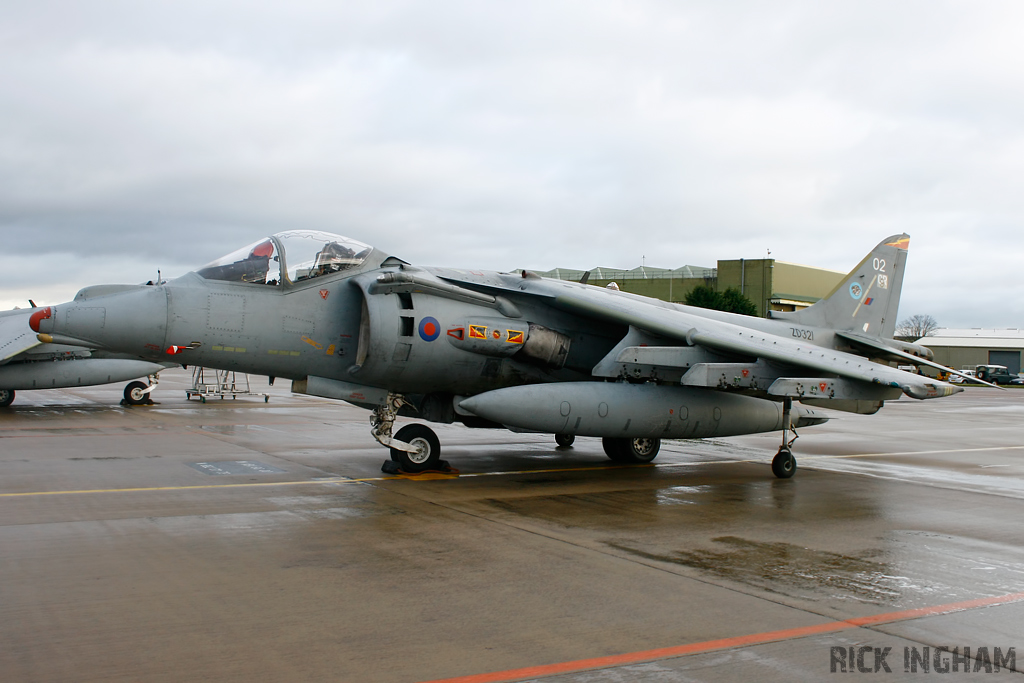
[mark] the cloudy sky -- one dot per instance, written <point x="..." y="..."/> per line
<point x="137" y="136"/>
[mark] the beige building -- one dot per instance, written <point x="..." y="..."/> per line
<point x="777" y="285"/>
<point x="770" y="284"/>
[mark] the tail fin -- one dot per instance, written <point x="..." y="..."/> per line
<point x="867" y="300"/>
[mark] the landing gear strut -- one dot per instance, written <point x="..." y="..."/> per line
<point x="784" y="464"/>
<point x="415" y="447"/>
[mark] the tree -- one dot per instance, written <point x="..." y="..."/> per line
<point x="731" y="300"/>
<point x="735" y="301"/>
<point x="703" y="296"/>
<point x="916" y="326"/>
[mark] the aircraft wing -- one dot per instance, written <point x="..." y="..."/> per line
<point x="15" y="335"/>
<point x="879" y="345"/>
<point x="735" y="339"/>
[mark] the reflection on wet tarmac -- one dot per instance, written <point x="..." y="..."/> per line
<point x="155" y="571"/>
<point x="910" y="569"/>
<point x="789" y="569"/>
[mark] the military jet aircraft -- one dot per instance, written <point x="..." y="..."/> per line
<point x="27" y="363"/>
<point x="344" y="320"/>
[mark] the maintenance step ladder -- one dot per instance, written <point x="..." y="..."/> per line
<point x="207" y="382"/>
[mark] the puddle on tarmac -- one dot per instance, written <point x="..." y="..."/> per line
<point x="681" y="495"/>
<point x="910" y="569"/>
<point x="790" y="569"/>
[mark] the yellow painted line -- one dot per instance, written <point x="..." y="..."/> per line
<point x="440" y="476"/>
<point x="428" y="477"/>
<point x="822" y="456"/>
<point x="567" y="469"/>
<point x="187" y="488"/>
<point x="200" y="430"/>
<point x="81" y="436"/>
<point x="941" y="452"/>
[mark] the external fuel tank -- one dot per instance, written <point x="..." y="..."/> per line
<point x="619" y="409"/>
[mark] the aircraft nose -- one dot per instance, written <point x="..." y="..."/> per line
<point x="35" y="321"/>
<point x="132" y="319"/>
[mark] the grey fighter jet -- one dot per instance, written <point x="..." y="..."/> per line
<point x="344" y="320"/>
<point x="28" y="363"/>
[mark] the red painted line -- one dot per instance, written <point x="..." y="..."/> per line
<point x="938" y="609"/>
<point x="726" y="643"/>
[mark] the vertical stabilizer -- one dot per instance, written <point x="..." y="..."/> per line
<point x="867" y="300"/>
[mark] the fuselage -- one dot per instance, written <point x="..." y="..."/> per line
<point x="333" y="327"/>
<point x="308" y="304"/>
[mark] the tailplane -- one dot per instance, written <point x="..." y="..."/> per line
<point x="867" y="300"/>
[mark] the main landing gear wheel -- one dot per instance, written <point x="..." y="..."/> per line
<point x="6" y="397"/>
<point x="565" y="440"/>
<point x="784" y="464"/>
<point x="640" y="450"/>
<point x="135" y="394"/>
<point x="428" y="449"/>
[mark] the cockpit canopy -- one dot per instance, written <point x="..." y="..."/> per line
<point x="296" y="254"/>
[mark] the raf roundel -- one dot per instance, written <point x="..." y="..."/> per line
<point x="429" y="329"/>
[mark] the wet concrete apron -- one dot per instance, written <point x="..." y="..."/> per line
<point x="239" y="540"/>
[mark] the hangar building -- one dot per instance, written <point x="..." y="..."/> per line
<point x="770" y="284"/>
<point x="959" y="348"/>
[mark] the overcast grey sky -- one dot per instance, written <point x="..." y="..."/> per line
<point x="500" y="135"/>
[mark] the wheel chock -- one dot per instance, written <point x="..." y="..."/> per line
<point x="392" y="467"/>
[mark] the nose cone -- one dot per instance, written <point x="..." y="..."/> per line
<point x="37" y="319"/>
<point x="130" y="319"/>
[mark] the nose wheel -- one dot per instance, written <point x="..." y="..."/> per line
<point x="138" y="393"/>
<point x="427" y="453"/>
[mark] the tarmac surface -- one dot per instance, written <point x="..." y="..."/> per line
<point x="238" y="540"/>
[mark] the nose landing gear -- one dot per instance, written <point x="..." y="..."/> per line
<point x="415" y="447"/>
<point x="139" y="393"/>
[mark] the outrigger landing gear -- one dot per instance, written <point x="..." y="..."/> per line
<point x="415" y="447"/>
<point x="784" y="464"/>
<point x="565" y="440"/>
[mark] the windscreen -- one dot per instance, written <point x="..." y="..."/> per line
<point x="258" y="263"/>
